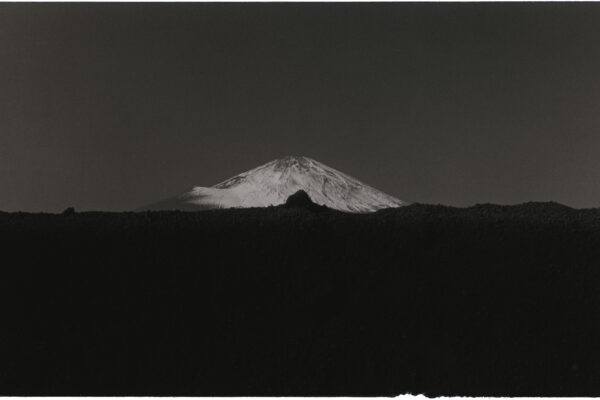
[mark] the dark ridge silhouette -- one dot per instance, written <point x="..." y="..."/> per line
<point x="69" y="211"/>
<point x="302" y="200"/>
<point x="479" y="301"/>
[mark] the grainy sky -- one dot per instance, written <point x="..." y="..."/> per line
<point x="112" y="106"/>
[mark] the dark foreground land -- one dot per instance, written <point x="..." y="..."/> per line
<point x="487" y="300"/>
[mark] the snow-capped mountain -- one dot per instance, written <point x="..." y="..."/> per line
<point x="273" y="182"/>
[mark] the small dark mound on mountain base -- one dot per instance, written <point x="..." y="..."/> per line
<point x="69" y="211"/>
<point x="301" y="199"/>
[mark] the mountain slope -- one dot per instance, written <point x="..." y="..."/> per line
<point x="273" y="182"/>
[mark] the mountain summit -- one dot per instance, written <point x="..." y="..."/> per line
<point x="273" y="182"/>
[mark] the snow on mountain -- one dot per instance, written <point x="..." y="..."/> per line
<point x="273" y="182"/>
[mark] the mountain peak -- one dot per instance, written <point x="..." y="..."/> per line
<point x="293" y="158"/>
<point x="291" y="161"/>
<point x="272" y="183"/>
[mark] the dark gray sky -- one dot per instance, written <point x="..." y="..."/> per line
<point x="112" y="106"/>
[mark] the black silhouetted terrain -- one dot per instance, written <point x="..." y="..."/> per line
<point x="301" y="199"/>
<point x="487" y="300"/>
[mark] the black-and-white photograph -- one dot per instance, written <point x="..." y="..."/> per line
<point x="300" y="199"/>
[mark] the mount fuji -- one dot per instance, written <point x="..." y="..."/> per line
<point x="273" y="182"/>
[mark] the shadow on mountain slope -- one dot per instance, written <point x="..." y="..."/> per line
<point x="486" y="300"/>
